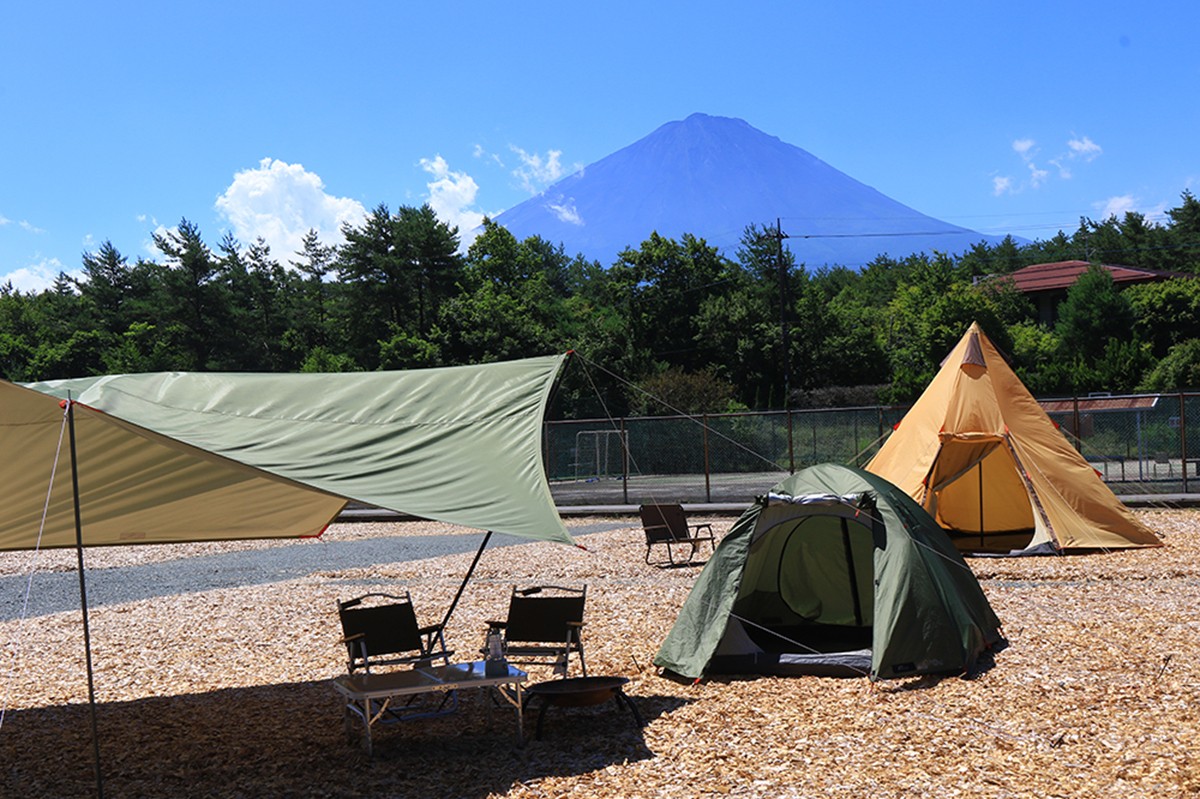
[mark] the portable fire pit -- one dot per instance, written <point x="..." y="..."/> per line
<point x="580" y="692"/>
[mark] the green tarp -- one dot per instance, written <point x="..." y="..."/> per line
<point x="832" y="554"/>
<point x="207" y="456"/>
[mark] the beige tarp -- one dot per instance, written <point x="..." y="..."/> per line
<point x="977" y="446"/>
<point x="188" y="456"/>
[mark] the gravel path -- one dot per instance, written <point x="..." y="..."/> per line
<point x="57" y="591"/>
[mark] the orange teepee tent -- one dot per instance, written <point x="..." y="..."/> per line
<point x="980" y="454"/>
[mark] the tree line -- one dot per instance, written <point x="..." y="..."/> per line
<point x="674" y="324"/>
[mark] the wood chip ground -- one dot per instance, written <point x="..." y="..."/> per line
<point x="226" y="693"/>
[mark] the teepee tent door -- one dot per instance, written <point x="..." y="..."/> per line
<point x="975" y="491"/>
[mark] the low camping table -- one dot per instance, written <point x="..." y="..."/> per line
<point x="369" y="696"/>
<point x="581" y="692"/>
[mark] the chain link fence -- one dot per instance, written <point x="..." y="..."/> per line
<point x="1139" y="444"/>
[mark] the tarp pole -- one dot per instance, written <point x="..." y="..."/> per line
<point x="87" y="633"/>
<point x="466" y="579"/>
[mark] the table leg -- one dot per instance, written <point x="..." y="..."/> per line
<point x="520" y="716"/>
<point x="516" y="698"/>
<point x="365" y="713"/>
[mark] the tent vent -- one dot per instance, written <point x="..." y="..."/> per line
<point x="974" y="354"/>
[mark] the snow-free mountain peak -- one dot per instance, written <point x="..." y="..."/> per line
<point x="712" y="176"/>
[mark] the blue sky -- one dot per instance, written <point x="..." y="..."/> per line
<point x="270" y="118"/>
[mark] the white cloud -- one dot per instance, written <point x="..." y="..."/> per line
<point x="1064" y="171"/>
<point x="39" y="276"/>
<point x="1084" y="148"/>
<point x="479" y="152"/>
<point x="452" y="198"/>
<point x="1078" y="148"/>
<point x="162" y="232"/>
<point x="536" y="172"/>
<point x="1157" y="213"/>
<point x="148" y="243"/>
<point x="1120" y="205"/>
<point x="566" y="212"/>
<point x="1117" y="206"/>
<point x="28" y="227"/>
<point x="281" y="202"/>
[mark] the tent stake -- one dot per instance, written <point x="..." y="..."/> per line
<point x="466" y="579"/>
<point x="87" y="635"/>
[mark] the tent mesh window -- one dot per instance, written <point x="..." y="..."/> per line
<point x="809" y="586"/>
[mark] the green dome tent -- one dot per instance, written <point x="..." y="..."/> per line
<point x="836" y="571"/>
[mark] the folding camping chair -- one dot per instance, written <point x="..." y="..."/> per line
<point x="667" y="524"/>
<point x="385" y="633"/>
<point x="544" y="625"/>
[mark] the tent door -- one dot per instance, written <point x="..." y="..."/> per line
<point x="975" y="492"/>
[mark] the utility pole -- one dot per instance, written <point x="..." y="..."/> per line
<point x="784" y="330"/>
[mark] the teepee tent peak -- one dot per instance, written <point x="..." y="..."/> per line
<point x="973" y="354"/>
<point x="980" y="454"/>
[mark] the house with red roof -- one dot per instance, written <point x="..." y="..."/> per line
<point x="1047" y="284"/>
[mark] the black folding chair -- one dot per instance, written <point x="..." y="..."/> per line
<point x="384" y="632"/>
<point x="667" y="524"/>
<point x="544" y="626"/>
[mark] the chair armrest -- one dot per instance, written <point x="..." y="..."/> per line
<point x="348" y="638"/>
<point x="575" y="624"/>
<point x="432" y="628"/>
<point x="704" y="525"/>
<point x="497" y="625"/>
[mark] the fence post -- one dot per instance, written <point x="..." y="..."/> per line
<point x="624" y="463"/>
<point x="1183" y="453"/>
<point x="854" y="452"/>
<point x="814" y="438"/>
<point x="791" y="448"/>
<point x="707" y="484"/>
<point x="1075" y="422"/>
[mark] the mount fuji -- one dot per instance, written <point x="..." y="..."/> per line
<point x="711" y="177"/>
